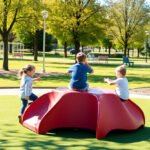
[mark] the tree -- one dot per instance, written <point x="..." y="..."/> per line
<point x="78" y="21"/>
<point x="126" y="17"/>
<point x="29" y="28"/>
<point x="107" y="43"/>
<point x="9" y="14"/>
<point x="11" y="38"/>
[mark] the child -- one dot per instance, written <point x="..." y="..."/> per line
<point x="26" y="94"/>
<point x="79" y="73"/>
<point x="121" y="83"/>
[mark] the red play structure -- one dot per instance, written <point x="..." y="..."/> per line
<point x="100" y="111"/>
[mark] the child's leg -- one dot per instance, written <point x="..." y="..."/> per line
<point x="33" y="97"/>
<point x="24" y="105"/>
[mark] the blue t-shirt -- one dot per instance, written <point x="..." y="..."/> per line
<point x="79" y="75"/>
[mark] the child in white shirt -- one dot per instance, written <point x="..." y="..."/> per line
<point x="121" y="83"/>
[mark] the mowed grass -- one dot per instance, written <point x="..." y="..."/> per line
<point x="138" y="75"/>
<point x="13" y="136"/>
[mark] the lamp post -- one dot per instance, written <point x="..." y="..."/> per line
<point x="146" y="44"/>
<point x="45" y="15"/>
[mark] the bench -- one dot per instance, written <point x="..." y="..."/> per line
<point x="97" y="57"/>
<point x="17" y="54"/>
<point x="127" y="61"/>
<point x="103" y="58"/>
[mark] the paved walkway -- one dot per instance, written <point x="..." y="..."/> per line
<point x="15" y="91"/>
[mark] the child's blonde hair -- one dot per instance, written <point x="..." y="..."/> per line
<point x="25" y="69"/>
<point x="81" y="57"/>
<point x="121" y="69"/>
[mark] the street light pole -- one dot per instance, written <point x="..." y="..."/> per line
<point x="146" y="46"/>
<point x="45" y="15"/>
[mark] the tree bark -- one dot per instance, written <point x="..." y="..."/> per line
<point x="65" y="49"/>
<point x="77" y="47"/>
<point x="128" y="52"/>
<point x="138" y="53"/>
<point x="82" y="48"/>
<point x="10" y="48"/>
<point x="125" y="48"/>
<point x="36" y="45"/>
<point x="5" y="41"/>
<point x="99" y="49"/>
<point x="109" y="51"/>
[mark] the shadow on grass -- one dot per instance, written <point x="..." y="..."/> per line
<point x="142" y="134"/>
<point x="61" y="139"/>
<point x="10" y="77"/>
<point x="72" y="133"/>
<point x="118" y="136"/>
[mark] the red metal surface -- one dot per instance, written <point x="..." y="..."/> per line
<point x="101" y="111"/>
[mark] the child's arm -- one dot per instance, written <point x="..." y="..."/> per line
<point x="109" y="81"/>
<point x="70" y="70"/>
<point x="27" y="98"/>
<point x="36" y="79"/>
<point x="90" y="68"/>
<point x="68" y="73"/>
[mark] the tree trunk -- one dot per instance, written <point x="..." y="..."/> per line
<point x="65" y="49"/>
<point x="128" y="52"/>
<point x="10" y="48"/>
<point x="82" y="48"/>
<point x="77" y="47"/>
<point x="99" y="49"/>
<point x="36" y="45"/>
<point x="5" y="61"/>
<point x="138" y="53"/>
<point x="109" y="50"/>
<point x="125" y="48"/>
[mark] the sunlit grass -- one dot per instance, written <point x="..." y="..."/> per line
<point x="138" y="75"/>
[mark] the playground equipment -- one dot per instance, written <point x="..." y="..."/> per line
<point x="102" y="112"/>
<point x="16" y="48"/>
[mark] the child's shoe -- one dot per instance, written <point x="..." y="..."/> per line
<point x="20" y="119"/>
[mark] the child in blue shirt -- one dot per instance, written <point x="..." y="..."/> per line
<point x="26" y="94"/>
<point x="79" y="72"/>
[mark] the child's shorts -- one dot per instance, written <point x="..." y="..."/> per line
<point x="82" y="90"/>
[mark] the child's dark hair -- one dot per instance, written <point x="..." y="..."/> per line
<point x="25" y="69"/>
<point x="81" y="57"/>
<point x="121" y="69"/>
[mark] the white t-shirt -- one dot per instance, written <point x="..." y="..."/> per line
<point x="122" y="88"/>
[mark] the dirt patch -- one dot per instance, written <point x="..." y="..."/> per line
<point x="141" y="91"/>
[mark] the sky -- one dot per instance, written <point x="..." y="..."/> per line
<point x="102" y="1"/>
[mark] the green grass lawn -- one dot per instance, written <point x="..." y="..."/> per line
<point x="13" y="136"/>
<point x="138" y="75"/>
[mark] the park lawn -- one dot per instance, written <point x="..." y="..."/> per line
<point x="13" y="136"/>
<point x="138" y="75"/>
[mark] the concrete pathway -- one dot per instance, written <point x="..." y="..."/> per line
<point x="15" y="91"/>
